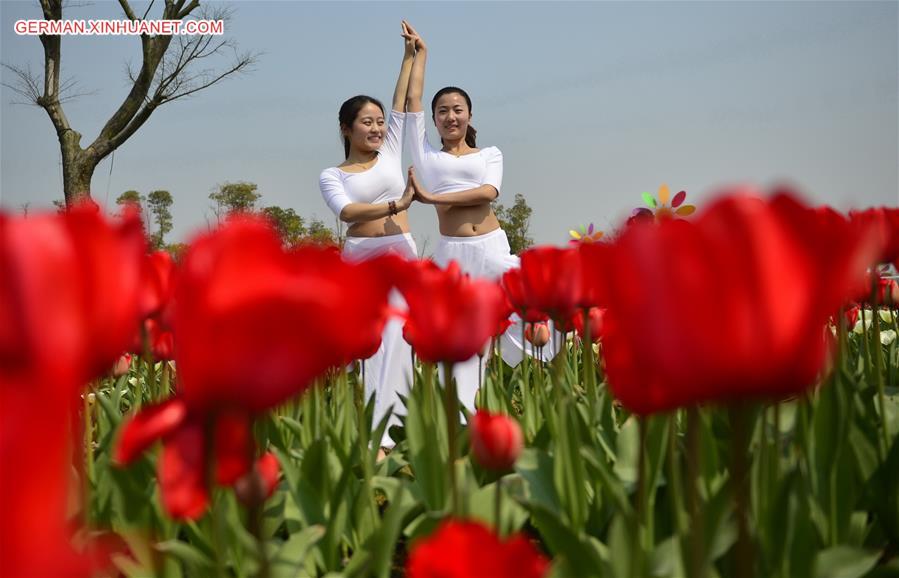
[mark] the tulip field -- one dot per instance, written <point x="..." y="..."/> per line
<point x="724" y="403"/>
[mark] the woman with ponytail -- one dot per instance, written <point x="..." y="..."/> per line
<point x="460" y="180"/>
<point x="368" y="191"/>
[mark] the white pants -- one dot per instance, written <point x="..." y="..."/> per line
<point x="486" y="256"/>
<point x="388" y="373"/>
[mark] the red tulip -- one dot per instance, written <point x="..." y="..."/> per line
<point x="259" y="485"/>
<point x="596" y="316"/>
<point x="255" y="324"/>
<point x="158" y="284"/>
<point x="450" y="316"/>
<point x="122" y="365"/>
<point x="513" y="284"/>
<point x="68" y="296"/>
<point x="161" y="340"/>
<point x="732" y="306"/>
<point x="496" y="440"/>
<point x="887" y="292"/>
<point x="537" y="334"/>
<point x="68" y="305"/>
<point x="593" y="271"/>
<point x="461" y="549"/>
<point x="552" y="282"/>
<point x="185" y="435"/>
<point x="35" y="461"/>
<point x="884" y="223"/>
<point x="852" y="316"/>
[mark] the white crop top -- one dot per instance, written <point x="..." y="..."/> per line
<point x="442" y="172"/>
<point x="381" y="183"/>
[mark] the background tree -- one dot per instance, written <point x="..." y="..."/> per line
<point x="160" y="203"/>
<point x="516" y="221"/>
<point x="135" y="199"/>
<point x="290" y="225"/>
<point x="321" y="233"/>
<point x="234" y="197"/>
<point x="131" y="197"/>
<point x="171" y="67"/>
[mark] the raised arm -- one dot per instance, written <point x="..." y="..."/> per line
<point x="402" y="81"/>
<point x="417" y="77"/>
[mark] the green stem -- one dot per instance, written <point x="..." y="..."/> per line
<point x="878" y="372"/>
<point x="452" y="420"/>
<point x="697" y="539"/>
<point x="254" y="515"/>
<point x="778" y="448"/>
<point x="152" y="388"/>
<point x="218" y="529"/>
<point x="88" y="453"/>
<point x="165" y="382"/>
<point x="674" y="475"/>
<point x="744" y="567"/>
<point x="497" y="513"/>
<point x="638" y="565"/>
<point x="588" y="359"/>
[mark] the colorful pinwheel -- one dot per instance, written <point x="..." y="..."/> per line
<point x="585" y="235"/>
<point x="659" y="210"/>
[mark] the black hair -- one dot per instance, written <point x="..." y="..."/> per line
<point x="470" y="132"/>
<point x="349" y="110"/>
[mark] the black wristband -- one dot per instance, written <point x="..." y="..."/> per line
<point x="392" y="206"/>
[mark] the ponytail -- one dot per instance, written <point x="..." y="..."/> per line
<point x="470" y="136"/>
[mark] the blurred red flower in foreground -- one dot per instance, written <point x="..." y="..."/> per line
<point x="253" y="326"/>
<point x="69" y="294"/>
<point x="450" y="316"/>
<point x="461" y="549"/>
<point x="740" y="311"/>
<point x="884" y="222"/>
<point x="496" y="440"/>
<point x="68" y="307"/>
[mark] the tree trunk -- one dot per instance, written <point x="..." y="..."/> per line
<point x="77" y="168"/>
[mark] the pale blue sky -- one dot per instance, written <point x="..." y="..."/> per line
<point x="592" y="103"/>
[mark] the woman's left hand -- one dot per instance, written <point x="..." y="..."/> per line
<point x="409" y="39"/>
<point x="421" y="195"/>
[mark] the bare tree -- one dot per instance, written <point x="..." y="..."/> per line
<point x="171" y="67"/>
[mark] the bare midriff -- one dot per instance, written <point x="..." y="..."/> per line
<point x="459" y="221"/>
<point x="383" y="227"/>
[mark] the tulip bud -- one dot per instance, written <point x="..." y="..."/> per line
<point x="852" y="316"/>
<point x="122" y="365"/>
<point x="496" y="440"/>
<point x="259" y="484"/>
<point x="537" y="333"/>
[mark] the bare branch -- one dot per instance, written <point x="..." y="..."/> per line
<point x="244" y="62"/>
<point x="185" y="11"/>
<point x="27" y="85"/>
<point x="150" y="7"/>
<point x="126" y="8"/>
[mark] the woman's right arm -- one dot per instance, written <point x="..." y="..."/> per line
<point x="402" y="81"/>
<point x="417" y="77"/>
